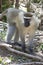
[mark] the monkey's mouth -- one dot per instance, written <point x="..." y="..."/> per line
<point x="27" y="19"/>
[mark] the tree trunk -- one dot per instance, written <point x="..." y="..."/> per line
<point x="0" y="6"/>
<point x="17" y="4"/>
<point x="12" y="2"/>
<point x="28" y="6"/>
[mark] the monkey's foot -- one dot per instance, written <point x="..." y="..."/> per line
<point x="23" y="48"/>
<point x="14" y="43"/>
<point x="31" y="50"/>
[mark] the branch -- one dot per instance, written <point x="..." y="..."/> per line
<point x="25" y="54"/>
<point x="8" y="47"/>
<point x="30" y="63"/>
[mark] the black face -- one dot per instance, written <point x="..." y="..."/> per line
<point x="27" y="22"/>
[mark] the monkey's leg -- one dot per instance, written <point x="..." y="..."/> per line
<point x="20" y="21"/>
<point x="22" y="36"/>
<point x="31" y="44"/>
<point x="10" y="32"/>
<point x="16" y="38"/>
<point x="23" y="41"/>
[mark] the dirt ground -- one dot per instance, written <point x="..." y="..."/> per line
<point x="12" y="57"/>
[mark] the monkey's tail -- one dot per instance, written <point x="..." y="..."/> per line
<point x="4" y="12"/>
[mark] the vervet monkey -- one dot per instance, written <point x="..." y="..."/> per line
<point x="16" y="17"/>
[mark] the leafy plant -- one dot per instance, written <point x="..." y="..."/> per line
<point x="11" y="58"/>
<point x="41" y="47"/>
<point x="0" y="60"/>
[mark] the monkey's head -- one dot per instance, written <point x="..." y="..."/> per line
<point x="27" y="19"/>
<point x="33" y="23"/>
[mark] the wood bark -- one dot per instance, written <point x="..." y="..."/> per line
<point x="0" y="6"/>
<point x="30" y="63"/>
<point x="17" y="4"/>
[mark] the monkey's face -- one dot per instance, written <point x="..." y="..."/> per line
<point x="27" y="20"/>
